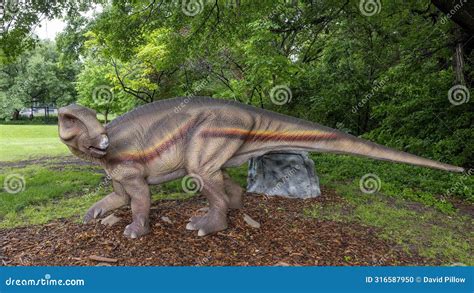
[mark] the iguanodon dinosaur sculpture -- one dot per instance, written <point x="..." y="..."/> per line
<point x="168" y="139"/>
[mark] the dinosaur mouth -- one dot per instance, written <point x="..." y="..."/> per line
<point x="97" y="151"/>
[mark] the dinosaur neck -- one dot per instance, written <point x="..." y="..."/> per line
<point x="84" y="156"/>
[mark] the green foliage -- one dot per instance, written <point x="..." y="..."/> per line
<point x="8" y="105"/>
<point x="38" y="76"/>
<point x="19" y="18"/>
<point x="95" y="90"/>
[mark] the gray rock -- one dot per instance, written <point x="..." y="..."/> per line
<point x="251" y="222"/>
<point x="289" y="174"/>
<point x="110" y="220"/>
<point x="166" y="220"/>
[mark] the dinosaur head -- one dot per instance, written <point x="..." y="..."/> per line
<point x="80" y="130"/>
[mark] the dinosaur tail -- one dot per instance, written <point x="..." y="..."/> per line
<point x="347" y="144"/>
<point x="302" y="135"/>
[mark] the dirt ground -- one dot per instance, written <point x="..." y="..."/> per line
<point x="286" y="237"/>
<point x="47" y="161"/>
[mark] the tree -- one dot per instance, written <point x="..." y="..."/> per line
<point x="36" y="76"/>
<point x="21" y="17"/>
<point x="96" y="90"/>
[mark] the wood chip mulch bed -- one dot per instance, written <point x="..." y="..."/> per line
<point x="286" y="237"/>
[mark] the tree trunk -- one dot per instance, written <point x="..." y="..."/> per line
<point x="16" y="114"/>
<point x="458" y="58"/>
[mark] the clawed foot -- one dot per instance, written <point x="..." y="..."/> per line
<point x="135" y="230"/>
<point x="93" y="212"/>
<point x="109" y="203"/>
<point x="210" y="223"/>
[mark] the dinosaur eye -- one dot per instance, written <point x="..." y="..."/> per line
<point x="69" y="121"/>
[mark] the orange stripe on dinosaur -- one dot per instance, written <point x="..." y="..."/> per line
<point x="267" y="135"/>
<point x="158" y="148"/>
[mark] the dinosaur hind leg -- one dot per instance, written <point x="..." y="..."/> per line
<point x="205" y="157"/>
<point x="216" y="218"/>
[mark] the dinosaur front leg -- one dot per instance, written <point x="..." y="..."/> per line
<point x="113" y="201"/>
<point x="139" y="194"/>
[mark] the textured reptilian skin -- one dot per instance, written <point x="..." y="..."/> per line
<point x="202" y="136"/>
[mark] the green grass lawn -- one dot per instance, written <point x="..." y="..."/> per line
<point x="22" y="142"/>
<point x="413" y="207"/>
<point x="48" y="194"/>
